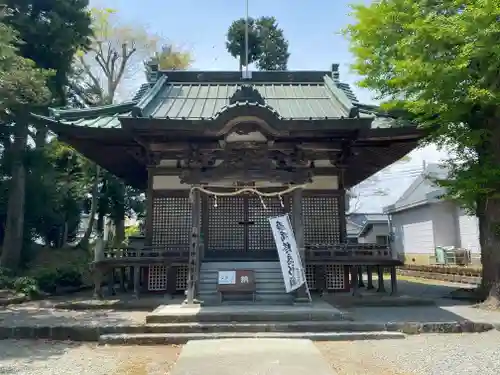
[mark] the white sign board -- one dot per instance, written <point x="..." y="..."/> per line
<point x="291" y="265"/>
<point x="227" y="278"/>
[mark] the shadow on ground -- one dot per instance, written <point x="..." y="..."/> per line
<point x="443" y="309"/>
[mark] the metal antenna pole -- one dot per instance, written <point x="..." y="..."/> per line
<point x="246" y="40"/>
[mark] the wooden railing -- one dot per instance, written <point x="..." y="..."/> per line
<point x="171" y="252"/>
<point x="345" y="252"/>
<point x="318" y="252"/>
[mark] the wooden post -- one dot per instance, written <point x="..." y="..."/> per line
<point x="97" y="278"/>
<point x="298" y="228"/>
<point x="381" y="286"/>
<point x="394" y="282"/>
<point x="137" y="280"/>
<point x="111" y="282"/>
<point x="193" y="249"/>
<point x="369" y="276"/>
<point x="123" y="280"/>
<point x="354" y="280"/>
<point x="130" y="283"/>
<point x="361" y="284"/>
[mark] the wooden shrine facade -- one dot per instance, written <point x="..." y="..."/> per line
<point x="216" y="131"/>
<point x="236" y="228"/>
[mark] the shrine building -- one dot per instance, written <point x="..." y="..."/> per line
<point x="193" y="139"/>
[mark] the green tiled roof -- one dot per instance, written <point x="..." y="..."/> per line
<point x="299" y="95"/>
<point x="96" y="117"/>
<point x="198" y="100"/>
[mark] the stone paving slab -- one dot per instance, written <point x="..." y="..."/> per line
<point x="318" y="310"/>
<point x="251" y="357"/>
<point x="183" y="338"/>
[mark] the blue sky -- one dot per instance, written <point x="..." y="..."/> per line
<point x="313" y="30"/>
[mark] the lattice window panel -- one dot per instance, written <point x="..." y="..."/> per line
<point x="181" y="278"/>
<point x="321" y="219"/>
<point x="311" y="276"/>
<point x="335" y="277"/>
<point x="260" y="235"/>
<point x="171" y="221"/>
<point x="157" y="277"/>
<point x="224" y="231"/>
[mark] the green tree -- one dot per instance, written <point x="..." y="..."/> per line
<point x="267" y="45"/>
<point x="52" y="31"/>
<point x="22" y="88"/>
<point x="274" y="46"/>
<point x="48" y="34"/>
<point x="170" y="58"/>
<point x="440" y="62"/>
<point x="117" y="51"/>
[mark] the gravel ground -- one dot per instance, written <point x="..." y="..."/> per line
<point x="48" y="358"/>
<point x="41" y="313"/>
<point x="431" y="354"/>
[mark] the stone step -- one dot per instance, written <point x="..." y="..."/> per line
<point x="183" y="338"/>
<point x="244" y="314"/>
<point x="305" y="326"/>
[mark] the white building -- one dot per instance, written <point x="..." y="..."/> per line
<point x="421" y="221"/>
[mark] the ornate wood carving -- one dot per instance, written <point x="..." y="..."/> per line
<point x="247" y="93"/>
<point x="196" y="158"/>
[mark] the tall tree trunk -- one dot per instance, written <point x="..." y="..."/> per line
<point x="489" y="222"/>
<point x="13" y="240"/>
<point x="489" y="229"/>
<point x="93" y="209"/>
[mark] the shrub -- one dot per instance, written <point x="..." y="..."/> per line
<point x="49" y="279"/>
<point x="6" y="278"/>
<point x="27" y="286"/>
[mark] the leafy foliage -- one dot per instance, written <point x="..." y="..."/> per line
<point x="52" y="31"/>
<point x="440" y="62"/>
<point x="267" y="45"/>
<point x="21" y="82"/>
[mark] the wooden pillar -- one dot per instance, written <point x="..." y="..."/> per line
<point x="361" y="284"/>
<point x="381" y="286"/>
<point x="354" y="280"/>
<point x="193" y="249"/>
<point x="394" y="282"/>
<point x="130" y="281"/>
<point x="298" y="228"/>
<point x="97" y="279"/>
<point x="137" y="280"/>
<point x="123" y="280"/>
<point x="369" y="276"/>
<point x="111" y="282"/>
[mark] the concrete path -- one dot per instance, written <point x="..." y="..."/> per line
<point x="251" y="357"/>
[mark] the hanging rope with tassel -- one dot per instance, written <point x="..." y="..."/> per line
<point x="260" y="194"/>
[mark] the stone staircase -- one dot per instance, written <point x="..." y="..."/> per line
<point x="269" y="283"/>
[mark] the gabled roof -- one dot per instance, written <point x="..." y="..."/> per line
<point x="202" y="95"/>
<point x="421" y="191"/>
<point x="358" y="223"/>
<point x="185" y="105"/>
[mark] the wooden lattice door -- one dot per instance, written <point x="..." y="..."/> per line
<point x="238" y="228"/>
<point x="260" y="236"/>
<point x="225" y="235"/>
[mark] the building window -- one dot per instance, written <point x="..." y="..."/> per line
<point x="352" y="240"/>
<point x="382" y="240"/>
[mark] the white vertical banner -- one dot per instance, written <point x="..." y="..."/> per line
<point x="291" y="264"/>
